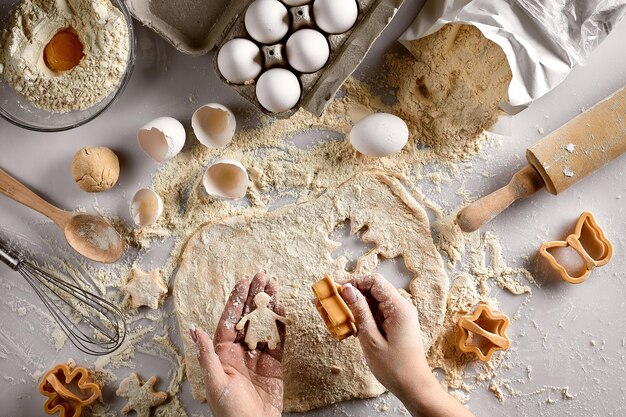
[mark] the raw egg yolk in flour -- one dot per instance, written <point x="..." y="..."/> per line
<point x="64" y="51"/>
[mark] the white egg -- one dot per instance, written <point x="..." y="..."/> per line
<point x="267" y="21"/>
<point x="214" y="125"/>
<point x="226" y="179"/>
<point x="240" y="60"/>
<point x="335" y="16"/>
<point x="278" y="90"/>
<point x="146" y="207"/>
<point x="162" y="138"/>
<point x="307" y="50"/>
<point x="379" y="134"/>
<point x="293" y="3"/>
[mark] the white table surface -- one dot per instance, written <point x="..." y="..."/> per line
<point x="568" y="336"/>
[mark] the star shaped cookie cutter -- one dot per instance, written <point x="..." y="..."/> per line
<point x="589" y="241"/>
<point x="68" y="390"/>
<point x="483" y="332"/>
<point x="334" y="311"/>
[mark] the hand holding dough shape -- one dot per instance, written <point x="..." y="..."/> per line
<point x="261" y="324"/>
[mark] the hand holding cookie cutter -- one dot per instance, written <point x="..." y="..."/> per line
<point x="336" y="314"/>
<point x="482" y="332"/>
<point x="67" y="390"/>
<point x="589" y="241"/>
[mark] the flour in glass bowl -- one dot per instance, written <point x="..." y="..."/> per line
<point x="100" y="28"/>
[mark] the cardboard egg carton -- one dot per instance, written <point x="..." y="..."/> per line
<point x="195" y="27"/>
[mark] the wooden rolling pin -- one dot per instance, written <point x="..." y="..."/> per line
<point x="559" y="160"/>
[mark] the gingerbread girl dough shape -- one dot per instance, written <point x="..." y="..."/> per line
<point x="262" y="324"/>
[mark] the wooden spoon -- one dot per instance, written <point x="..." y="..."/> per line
<point x="89" y="235"/>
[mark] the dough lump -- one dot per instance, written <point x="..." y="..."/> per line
<point x="95" y="169"/>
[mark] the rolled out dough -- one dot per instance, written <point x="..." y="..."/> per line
<point x="293" y="244"/>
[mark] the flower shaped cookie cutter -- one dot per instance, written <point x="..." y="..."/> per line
<point x="68" y="390"/>
<point x="589" y="241"/>
<point x="336" y="314"/>
<point x="483" y="332"/>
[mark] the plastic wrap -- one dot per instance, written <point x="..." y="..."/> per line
<point x="542" y="39"/>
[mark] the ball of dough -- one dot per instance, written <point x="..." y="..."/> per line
<point x="95" y="169"/>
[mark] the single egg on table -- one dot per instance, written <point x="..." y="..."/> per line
<point x="214" y="125"/>
<point x="239" y="61"/>
<point x="162" y="138"/>
<point x="307" y="50"/>
<point x="335" y="16"/>
<point x="226" y="179"/>
<point x="146" y="207"/>
<point x="379" y="134"/>
<point x="267" y="21"/>
<point x="278" y="90"/>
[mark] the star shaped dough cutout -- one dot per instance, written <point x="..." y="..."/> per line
<point x="145" y="288"/>
<point x="141" y="396"/>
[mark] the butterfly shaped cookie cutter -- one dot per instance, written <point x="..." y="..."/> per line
<point x="482" y="332"/>
<point x="589" y="241"/>
<point x="68" y="390"/>
<point x="334" y="311"/>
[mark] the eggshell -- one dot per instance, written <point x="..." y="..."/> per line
<point x="240" y="60"/>
<point x="293" y="3"/>
<point x="307" y="50"/>
<point x="146" y="207"/>
<point x="379" y="134"/>
<point x="162" y="138"/>
<point x="278" y="90"/>
<point x="335" y="16"/>
<point x="267" y="21"/>
<point x="226" y="179"/>
<point x="214" y="125"/>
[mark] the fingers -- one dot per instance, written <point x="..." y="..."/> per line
<point x="377" y="287"/>
<point x="273" y="289"/>
<point x="368" y="331"/>
<point x="233" y="310"/>
<point x="213" y="372"/>
<point x="258" y="284"/>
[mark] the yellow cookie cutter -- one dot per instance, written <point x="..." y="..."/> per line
<point x="67" y="390"/>
<point x="594" y="249"/>
<point x="335" y="312"/>
<point x="483" y="332"/>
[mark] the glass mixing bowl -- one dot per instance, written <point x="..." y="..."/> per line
<point x="17" y="110"/>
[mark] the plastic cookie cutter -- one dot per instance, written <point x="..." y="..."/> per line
<point x="68" y="390"/>
<point x="482" y="332"/>
<point x="589" y="241"/>
<point x="333" y="309"/>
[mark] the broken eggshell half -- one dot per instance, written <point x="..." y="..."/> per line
<point x="146" y="207"/>
<point x="214" y="125"/>
<point x="162" y="138"/>
<point x="226" y="179"/>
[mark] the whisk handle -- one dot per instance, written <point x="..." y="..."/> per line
<point x="8" y="258"/>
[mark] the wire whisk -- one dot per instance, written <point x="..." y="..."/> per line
<point x="94" y="325"/>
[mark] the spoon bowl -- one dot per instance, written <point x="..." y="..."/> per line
<point x="94" y="238"/>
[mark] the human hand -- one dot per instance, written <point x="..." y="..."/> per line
<point x="241" y="382"/>
<point x="391" y="339"/>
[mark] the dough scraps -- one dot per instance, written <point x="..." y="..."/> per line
<point x="294" y="244"/>
<point x="141" y="396"/>
<point x="261" y="324"/>
<point x="145" y="288"/>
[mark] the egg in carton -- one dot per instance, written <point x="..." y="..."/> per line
<point x="256" y="58"/>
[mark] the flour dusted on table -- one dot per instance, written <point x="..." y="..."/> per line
<point x="103" y="33"/>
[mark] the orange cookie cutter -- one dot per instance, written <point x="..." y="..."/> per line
<point x="335" y="312"/>
<point x="589" y="241"/>
<point x="483" y="332"/>
<point x="68" y="390"/>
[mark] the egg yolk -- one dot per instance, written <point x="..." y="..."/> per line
<point x="64" y="51"/>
